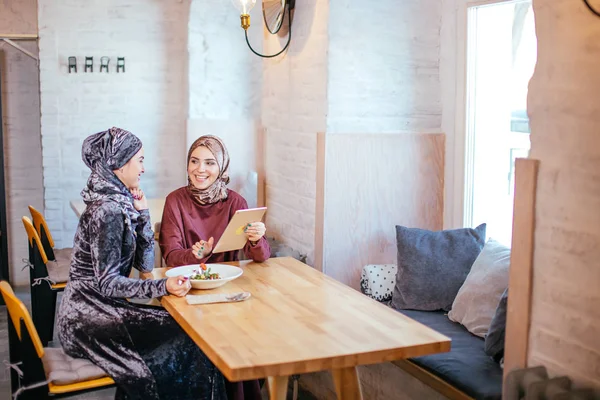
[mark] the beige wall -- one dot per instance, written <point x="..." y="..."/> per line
<point x="564" y="109"/>
<point x="21" y="125"/>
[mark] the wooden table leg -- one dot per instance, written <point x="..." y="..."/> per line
<point x="277" y="387"/>
<point x="347" y="384"/>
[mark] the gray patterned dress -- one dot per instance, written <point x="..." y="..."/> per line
<point x="141" y="347"/>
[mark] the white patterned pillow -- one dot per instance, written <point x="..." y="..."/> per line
<point x="378" y="280"/>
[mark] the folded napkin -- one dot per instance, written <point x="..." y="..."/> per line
<point x="216" y="298"/>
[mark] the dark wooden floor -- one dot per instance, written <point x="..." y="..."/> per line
<point x="106" y="394"/>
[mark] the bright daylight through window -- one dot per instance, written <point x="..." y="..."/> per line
<point x="501" y="56"/>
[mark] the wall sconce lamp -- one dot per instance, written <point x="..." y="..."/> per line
<point x="592" y="9"/>
<point x="273" y="14"/>
<point x="104" y="63"/>
<point x="89" y="63"/>
<point x="72" y="64"/>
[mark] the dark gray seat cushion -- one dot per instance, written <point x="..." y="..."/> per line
<point x="433" y="265"/>
<point x="466" y="367"/>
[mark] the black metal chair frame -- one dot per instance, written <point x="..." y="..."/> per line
<point x="43" y="294"/>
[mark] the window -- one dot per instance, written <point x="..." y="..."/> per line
<point x="501" y="55"/>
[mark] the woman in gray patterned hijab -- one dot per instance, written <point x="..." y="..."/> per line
<point x="142" y="348"/>
<point x="108" y="154"/>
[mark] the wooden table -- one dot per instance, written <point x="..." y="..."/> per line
<point x="154" y="205"/>
<point x="298" y="320"/>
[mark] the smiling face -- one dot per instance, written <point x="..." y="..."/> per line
<point x="131" y="172"/>
<point x="203" y="169"/>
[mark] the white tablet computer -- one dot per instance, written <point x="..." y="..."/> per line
<point x="234" y="237"/>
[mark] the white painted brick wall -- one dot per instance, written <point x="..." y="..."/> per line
<point x="150" y="99"/>
<point x="564" y="112"/>
<point x="225" y="81"/>
<point x="373" y="67"/>
<point x="294" y="109"/>
<point x="224" y="76"/>
<point x="383" y="66"/>
<point x="21" y="124"/>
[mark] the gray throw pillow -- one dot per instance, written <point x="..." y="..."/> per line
<point x="432" y="266"/>
<point x="494" y="341"/>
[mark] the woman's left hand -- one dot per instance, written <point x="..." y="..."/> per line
<point x="139" y="199"/>
<point x="255" y="230"/>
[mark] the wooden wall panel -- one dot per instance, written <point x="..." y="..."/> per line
<point x="18" y="19"/>
<point x="22" y="147"/>
<point x="521" y="266"/>
<point x="374" y="182"/>
<point x="260" y="167"/>
<point x="320" y="201"/>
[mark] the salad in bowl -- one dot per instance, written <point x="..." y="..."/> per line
<point x="205" y="273"/>
<point x="207" y="276"/>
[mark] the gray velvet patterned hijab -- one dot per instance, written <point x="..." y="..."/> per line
<point x="104" y="152"/>
<point x="218" y="190"/>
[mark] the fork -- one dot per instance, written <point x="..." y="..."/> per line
<point x="237" y="297"/>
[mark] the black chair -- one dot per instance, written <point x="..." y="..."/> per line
<point x="43" y="373"/>
<point x="46" y="279"/>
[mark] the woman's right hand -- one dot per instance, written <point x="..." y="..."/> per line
<point x="178" y="285"/>
<point x="140" y="202"/>
<point x="202" y="249"/>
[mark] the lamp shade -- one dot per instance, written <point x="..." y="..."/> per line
<point x="244" y="6"/>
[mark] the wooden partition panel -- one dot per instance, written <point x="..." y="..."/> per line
<point x="518" y="318"/>
<point x="261" y="200"/>
<point x="373" y="182"/>
<point x="320" y="201"/>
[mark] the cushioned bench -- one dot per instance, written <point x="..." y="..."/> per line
<point x="466" y="372"/>
<point x="466" y="366"/>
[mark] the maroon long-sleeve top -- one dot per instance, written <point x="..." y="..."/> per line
<point x="185" y="222"/>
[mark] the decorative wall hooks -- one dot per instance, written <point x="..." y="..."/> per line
<point x="89" y="63"/>
<point x="104" y="63"/>
<point x="121" y="64"/>
<point x="72" y="64"/>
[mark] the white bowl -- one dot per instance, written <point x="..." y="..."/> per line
<point x="226" y="272"/>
